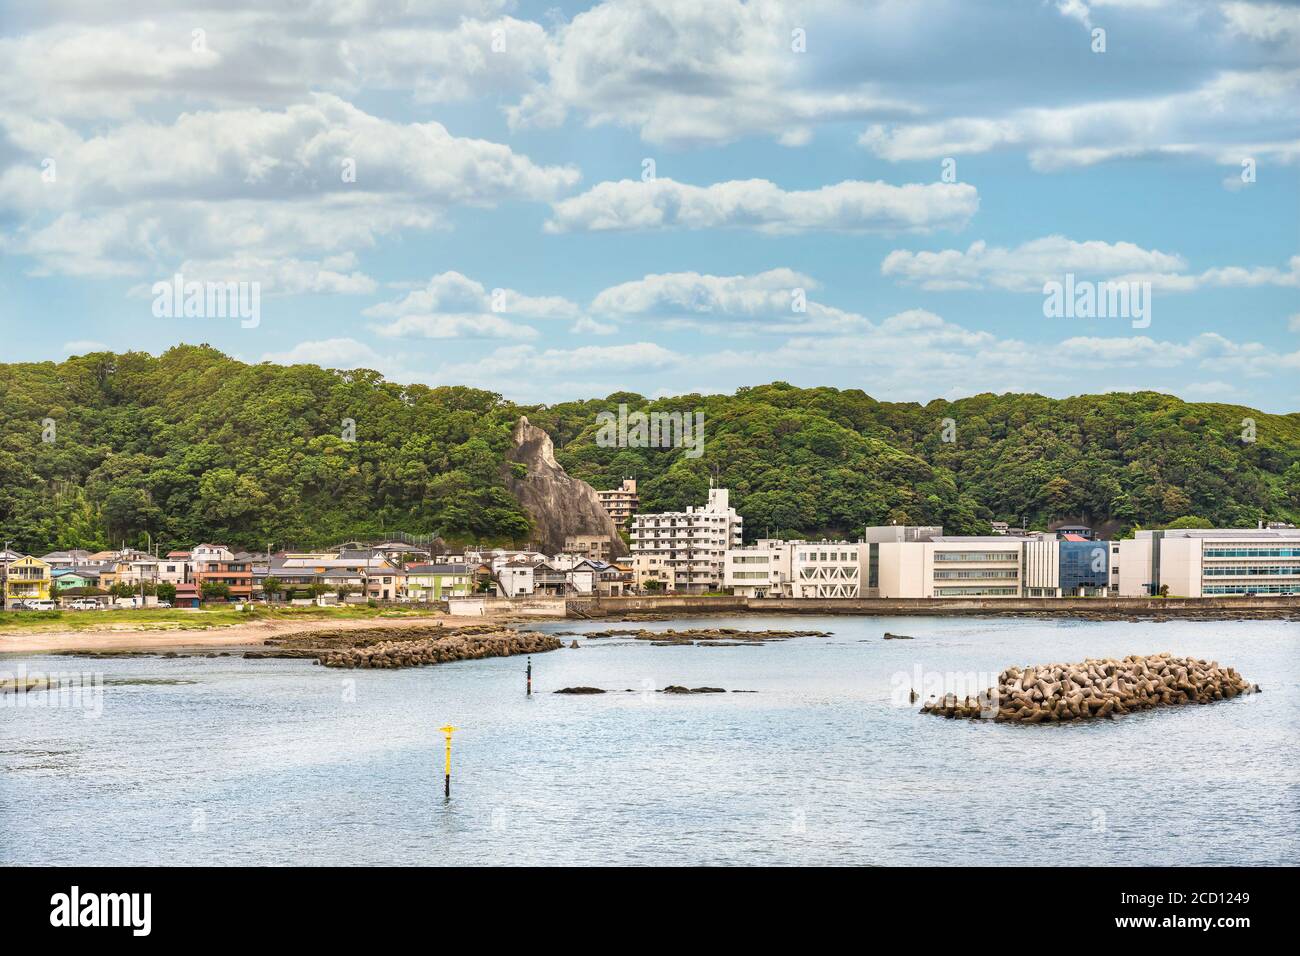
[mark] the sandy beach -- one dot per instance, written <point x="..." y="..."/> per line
<point x="125" y="637"/>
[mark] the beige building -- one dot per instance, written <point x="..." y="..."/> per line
<point x="596" y="547"/>
<point x="953" y="567"/>
<point x="620" y="502"/>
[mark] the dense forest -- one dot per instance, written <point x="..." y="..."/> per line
<point x="193" y="445"/>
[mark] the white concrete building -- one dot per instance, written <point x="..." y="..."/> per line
<point x="826" y="569"/>
<point x="515" y="579"/>
<point x="691" y="545"/>
<point x="761" y="570"/>
<point x="1195" y="562"/>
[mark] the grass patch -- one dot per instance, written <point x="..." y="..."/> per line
<point x="28" y="622"/>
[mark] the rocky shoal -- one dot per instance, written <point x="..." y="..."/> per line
<point x="703" y="637"/>
<point x="1095" y="688"/>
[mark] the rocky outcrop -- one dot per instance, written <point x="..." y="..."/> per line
<point x="558" y="503"/>
<point x="1051" y="693"/>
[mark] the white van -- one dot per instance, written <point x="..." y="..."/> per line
<point x="34" y="605"/>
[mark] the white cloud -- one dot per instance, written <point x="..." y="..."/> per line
<point x="850" y="206"/>
<point x="300" y="151"/>
<point x="343" y="353"/>
<point x="1026" y="267"/>
<point x="251" y="182"/>
<point x="776" y="300"/>
<point x="114" y="60"/>
<point x="453" y="305"/>
<point x="1263" y="22"/>
<point x="508" y="360"/>
<point x="681" y="71"/>
<point x="82" y="346"/>
<point x="1222" y="119"/>
<point x="586" y="325"/>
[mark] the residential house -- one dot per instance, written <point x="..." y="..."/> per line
<point x="596" y="547"/>
<point x="65" y="578"/>
<point x="187" y="595"/>
<point x="66" y="559"/>
<point x="437" y="582"/>
<point x="515" y="579"/>
<point x="175" y="567"/>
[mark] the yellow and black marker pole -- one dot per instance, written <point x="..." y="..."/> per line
<point x="447" y="768"/>
<point x="529" y="672"/>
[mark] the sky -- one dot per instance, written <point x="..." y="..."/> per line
<point x="563" y="201"/>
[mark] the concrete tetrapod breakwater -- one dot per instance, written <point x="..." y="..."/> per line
<point x="1105" y="687"/>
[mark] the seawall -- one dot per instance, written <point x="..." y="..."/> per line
<point x="1216" y="608"/>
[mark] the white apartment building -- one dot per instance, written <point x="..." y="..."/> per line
<point x="688" y="547"/>
<point x="1195" y="562"/>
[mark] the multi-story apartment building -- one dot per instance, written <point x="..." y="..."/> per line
<point x="1194" y="562"/>
<point x="26" y="579"/>
<point x="688" y="547"/>
<point x="236" y="575"/>
<point x="620" y="502"/>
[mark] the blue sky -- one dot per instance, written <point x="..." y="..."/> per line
<point x="217" y="155"/>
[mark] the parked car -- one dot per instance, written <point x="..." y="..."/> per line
<point x="163" y="604"/>
<point x="35" y="605"/>
<point x="85" y="604"/>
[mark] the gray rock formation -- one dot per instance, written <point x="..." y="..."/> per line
<point x="558" y="503"/>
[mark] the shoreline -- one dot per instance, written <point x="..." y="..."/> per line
<point x="142" y="639"/>
<point x="228" y="637"/>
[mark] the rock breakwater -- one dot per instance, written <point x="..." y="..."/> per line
<point x="440" y="650"/>
<point x="1095" y="688"/>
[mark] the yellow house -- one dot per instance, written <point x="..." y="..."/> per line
<point x="28" y="579"/>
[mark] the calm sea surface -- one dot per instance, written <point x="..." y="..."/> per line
<point x="198" y="760"/>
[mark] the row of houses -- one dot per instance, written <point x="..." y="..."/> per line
<point x="350" y="574"/>
<point x="701" y="550"/>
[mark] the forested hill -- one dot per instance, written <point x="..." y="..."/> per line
<point x="193" y="445"/>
